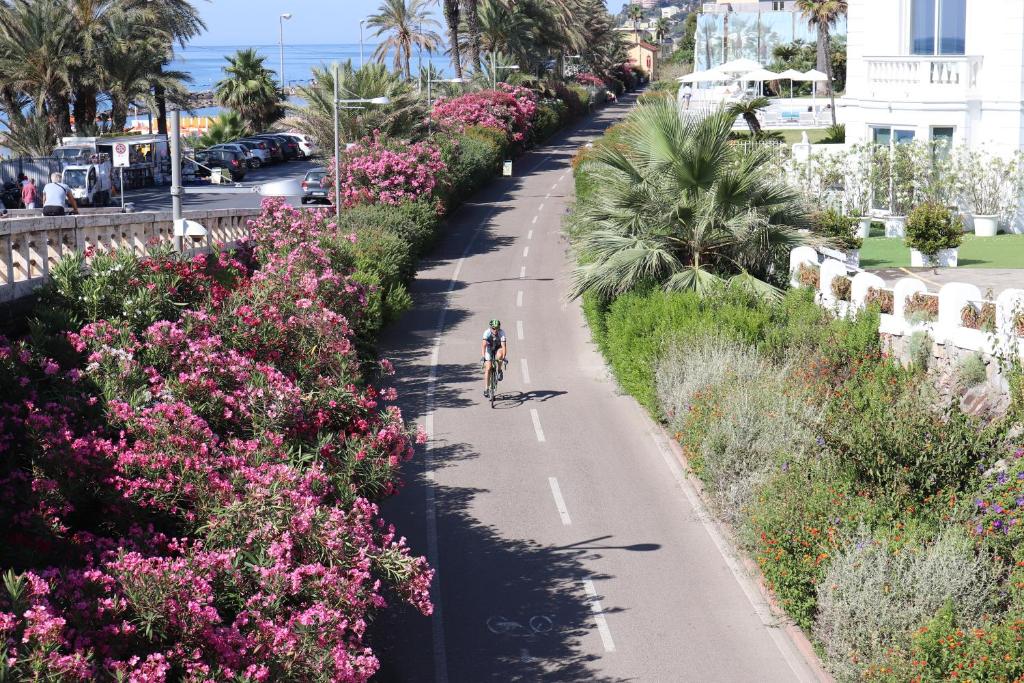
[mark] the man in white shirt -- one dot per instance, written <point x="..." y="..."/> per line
<point x="56" y="196"/>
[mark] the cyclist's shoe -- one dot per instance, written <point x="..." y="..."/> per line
<point x="487" y="393"/>
<point x="501" y="375"/>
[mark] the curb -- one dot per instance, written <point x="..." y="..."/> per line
<point x="796" y="634"/>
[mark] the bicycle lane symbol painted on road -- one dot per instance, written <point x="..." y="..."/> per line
<point x="535" y="626"/>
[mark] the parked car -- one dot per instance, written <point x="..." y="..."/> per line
<point x="307" y="147"/>
<point x="259" y="151"/>
<point x="314" y="188"/>
<point x="274" y="146"/>
<point x="230" y="162"/>
<point x="290" y="147"/>
<point x="236" y="147"/>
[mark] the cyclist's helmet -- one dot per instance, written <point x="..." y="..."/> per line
<point x="495" y="324"/>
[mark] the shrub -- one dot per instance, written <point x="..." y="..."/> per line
<point x="932" y="227"/>
<point x="839" y="229"/>
<point x="921" y="307"/>
<point x="590" y="79"/>
<point x="834" y="135"/>
<point x="808" y="275"/>
<point x="378" y="171"/>
<point x="885" y="424"/>
<point x="970" y="371"/>
<point x="841" y="287"/>
<point x="471" y="159"/>
<point x="416" y="223"/>
<point x="511" y="109"/>
<point x="883" y="298"/>
<point x="997" y="511"/>
<point x="732" y="412"/>
<point x="872" y="595"/>
<point x="547" y="120"/>
<point x="1018" y="324"/>
<point x="919" y="348"/>
<point x="979" y="318"/>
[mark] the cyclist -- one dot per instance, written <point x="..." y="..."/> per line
<point x="493" y="346"/>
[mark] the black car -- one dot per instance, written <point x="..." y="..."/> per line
<point x="230" y="162"/>
<point x="314" y="188"/>
<point x="293" y="139"/>
<point x="290" y="147"/>
<point x="276" y="147"/>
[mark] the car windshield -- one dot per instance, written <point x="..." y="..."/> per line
<point x="315" y="175"/>
<point x="74" y="177"/>
<point x="70" y="152"/>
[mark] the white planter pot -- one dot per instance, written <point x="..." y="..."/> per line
<point x="896" y="226"/>
<point x="853" y="258"/>
<point x="986" y="226"/>
<point x="864" y="227"/>
<point x="946" y="258"/>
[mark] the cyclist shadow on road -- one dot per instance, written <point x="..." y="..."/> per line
<point x="514" y="399"/>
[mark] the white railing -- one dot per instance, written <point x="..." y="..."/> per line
<point x="923" y="77"/>
<point x="29" y="247"/>
<point x="947" y="326"/>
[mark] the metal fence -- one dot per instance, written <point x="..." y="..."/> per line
<point x="39" y="168"/>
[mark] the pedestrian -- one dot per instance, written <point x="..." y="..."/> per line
<point x="29" y="193"/>
<point x="687" y="94"/>
<point x="56" y="196"/>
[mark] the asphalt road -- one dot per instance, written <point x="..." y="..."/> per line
<point x="569" y="545"/>
<point x="159" y="198"/>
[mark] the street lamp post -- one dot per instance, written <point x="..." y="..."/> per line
<point x="280" y="20"/>
<point x="361" y="22"/>
<point x="337" y="137"/>
<point x="494" y="73"/>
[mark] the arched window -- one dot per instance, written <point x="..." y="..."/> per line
<point x="938" y="27"/>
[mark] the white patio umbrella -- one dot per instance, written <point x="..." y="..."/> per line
<point x="760" y="76"/>
<point x="792" y="75"/>
<point x="815" y="77"/>
<point x="708" y="76"/>
<point x="739" y="66"/>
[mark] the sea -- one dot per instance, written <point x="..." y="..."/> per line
<point x="205" y="62"/>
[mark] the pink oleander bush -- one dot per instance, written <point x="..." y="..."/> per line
<point x="379" y="171"/>
<point x="510" y="108"/>
<point x="191" y="498"/>
<point x="585" y="78"/>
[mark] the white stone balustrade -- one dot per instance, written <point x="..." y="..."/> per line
<point x="29" y="247"/>
<point x="923" y="78"/>
<point x="799" y="257"/>
<point x="862" y="282"/>
<point x="905" y="288"/>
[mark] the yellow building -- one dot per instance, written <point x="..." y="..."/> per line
<point x="644" y="55"/>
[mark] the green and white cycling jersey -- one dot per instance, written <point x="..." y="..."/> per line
<point x="494" y="342"/>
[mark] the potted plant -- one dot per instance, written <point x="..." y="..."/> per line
<point x="934" y="234"/>
<point x="858" y="182"/>
<point x="989" y="186"/>
<point x="902" y="187"/>
<point x="841" y="232"/>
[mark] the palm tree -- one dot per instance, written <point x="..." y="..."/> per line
<point x="661" y="28"/>
<point x="635" y="13"/>
<point x="226" y="127"/>
<point x="471" y="8"/>
<point x="403" y="21"/>
<point x="402" y="118"/>
<point x="682" y="208"/>
<point x="250" y="89"/>
<point x="451" y="17"/>
<point x="822" y="16"/>
<point x="176" y="21"/>
<point x="749" y="109"/>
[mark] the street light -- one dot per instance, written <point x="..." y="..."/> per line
<point x="494" y="74"/>
<point x="280" y="20"/>
<point x="337" y="137"/>
<point x="438" y="80"/>
<point x="361" y="22"/>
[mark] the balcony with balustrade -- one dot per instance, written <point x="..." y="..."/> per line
<point x="925" y="79"/>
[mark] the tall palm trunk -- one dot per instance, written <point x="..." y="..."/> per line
<point x="85" y="105"/>
<point x="823" y="50"/>
<point x="118" y="114"/>
<point x="451" y="15"/>
<point x="473" y="22"/>
<point x="828" y="70"/>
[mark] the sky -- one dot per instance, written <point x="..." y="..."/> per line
<point x="255" y="22"/>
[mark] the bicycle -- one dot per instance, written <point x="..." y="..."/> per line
<point x="492" y="385"/>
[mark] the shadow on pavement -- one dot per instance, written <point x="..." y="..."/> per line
<point x="507" y="400"/>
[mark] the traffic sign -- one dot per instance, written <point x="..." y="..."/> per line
<point x="121" y="155"/>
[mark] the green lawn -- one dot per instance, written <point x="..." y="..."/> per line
<point x="1002" y="251"/>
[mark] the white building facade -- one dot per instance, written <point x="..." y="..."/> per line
<point x="936" y="70"/>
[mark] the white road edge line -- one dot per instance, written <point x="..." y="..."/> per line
<point x="536" y="425"/>
<point x="433" y="546"/>
<point x="761" y="608"/>
<point x="526" y="371"/>
<point x="602" y="623"/>
<point x="522" y="272"/>
<point x="563" y="512"/>
<point x="535" y="220"/>
<point x="519" y="330"/>
<point x="555" y="186"/>
<point x="526" y="252"/>
<point x="529" y="235"/>
<point x="541" y="207"/>
<point x="519" y="299"/>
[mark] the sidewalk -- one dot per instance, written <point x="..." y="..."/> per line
<point x="996" y="279"/>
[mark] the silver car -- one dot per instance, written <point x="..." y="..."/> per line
<point x="260" y="153"/>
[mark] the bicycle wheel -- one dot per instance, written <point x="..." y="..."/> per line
<point x="494" y="385"/>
